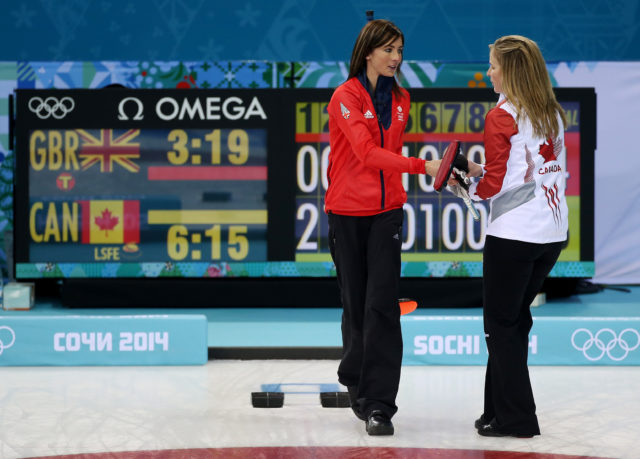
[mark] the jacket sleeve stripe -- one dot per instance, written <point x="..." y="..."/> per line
<point x="498" y="129"/>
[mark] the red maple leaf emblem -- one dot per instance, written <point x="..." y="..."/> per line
<point x="546" y="150"/>
<point x="106" y="222"/>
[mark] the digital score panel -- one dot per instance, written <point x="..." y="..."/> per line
<point x="231" y="183"/>
<point x="438" y="226"/>
<point x="150" y="176"/>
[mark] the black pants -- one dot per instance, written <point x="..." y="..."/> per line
<point x="366" y="252"/>
<point x="513" y="273"/>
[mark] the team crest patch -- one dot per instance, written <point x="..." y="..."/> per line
<point x="345" y="111"/>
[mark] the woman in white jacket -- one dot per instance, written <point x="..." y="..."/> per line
<point x="524" y="180"/>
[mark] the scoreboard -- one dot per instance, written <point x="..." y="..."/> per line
<point x="438" y="227"/>
<point x="231" y="183"/>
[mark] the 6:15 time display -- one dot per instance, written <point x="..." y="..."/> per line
<point x="183" y="243"/>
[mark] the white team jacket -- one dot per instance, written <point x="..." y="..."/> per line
<point x="524" y="178"/>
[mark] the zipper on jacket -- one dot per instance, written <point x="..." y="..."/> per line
<point x="365" y="84"/>
<point x="381" y="173"/>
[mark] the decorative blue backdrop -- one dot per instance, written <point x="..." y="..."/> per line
<point x="309" y="30"/>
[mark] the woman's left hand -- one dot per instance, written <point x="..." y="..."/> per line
<point x="474" y="170"/>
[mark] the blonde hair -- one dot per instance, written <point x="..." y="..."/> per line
<point x="526" y="83"/>
<point x="374" y="34"/>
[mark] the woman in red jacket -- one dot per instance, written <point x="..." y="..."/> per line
<point x="367" y="118"/>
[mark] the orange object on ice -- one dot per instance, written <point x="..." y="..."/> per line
<point x="407" y="305"/>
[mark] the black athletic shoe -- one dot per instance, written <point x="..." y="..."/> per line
<point x="480" y="422"/>
<point x="492" y="430"/>
<point x="379" y="423"/>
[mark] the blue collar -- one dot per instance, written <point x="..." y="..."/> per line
<point x="382" y="97"/>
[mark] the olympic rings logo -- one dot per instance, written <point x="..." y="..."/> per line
<point x="4" y="345"/>
<point x="51" y="106"/>
<point x="605" y="341"/>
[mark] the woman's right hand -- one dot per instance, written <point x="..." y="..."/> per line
<point x="431" y="167"/>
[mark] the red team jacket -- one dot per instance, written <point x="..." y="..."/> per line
<point x="365" y="178"/>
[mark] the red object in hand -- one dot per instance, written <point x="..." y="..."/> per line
<point x="446" y="166"/>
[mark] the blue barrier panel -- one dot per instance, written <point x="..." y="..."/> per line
<point x="103" y="340"/>
<point x="459" y="340"/>
<point x="586" y="341"/>
<point x="443" y="340"/>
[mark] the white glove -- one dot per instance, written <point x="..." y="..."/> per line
<point x="461" y="177"/>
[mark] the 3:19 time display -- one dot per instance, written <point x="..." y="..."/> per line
<point x="233" y="142"/>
